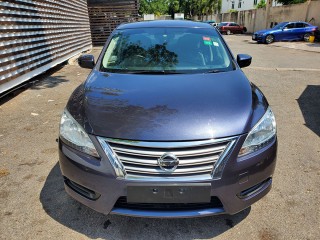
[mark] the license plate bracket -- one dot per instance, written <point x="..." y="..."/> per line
<point x="164" y="193"/>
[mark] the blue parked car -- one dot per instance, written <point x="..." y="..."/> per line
<point x="285" y="31"/>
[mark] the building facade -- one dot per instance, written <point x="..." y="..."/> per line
<point x="241" y="5"/>
<point x="106" y="15"/>
<point x="37" y="35"/>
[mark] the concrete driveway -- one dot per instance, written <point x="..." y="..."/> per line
<point x="34" y="205"/>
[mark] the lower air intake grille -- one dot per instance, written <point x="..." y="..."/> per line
<point x="122" y="203"/>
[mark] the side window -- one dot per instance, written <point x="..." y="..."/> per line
<point x="289" y="26"/>
<point x="300" y="25"/>
<point x="237" y="25"/>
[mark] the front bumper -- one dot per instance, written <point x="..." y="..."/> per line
<point x="244" y="181"/>
<point x="258" y="38"/>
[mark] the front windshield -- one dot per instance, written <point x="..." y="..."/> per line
<point x="280" y="25"/>
<point x="166" y="50"/>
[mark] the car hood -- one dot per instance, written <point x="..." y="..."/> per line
<point x="264" y="31"/>
<point x="165" y="107"/>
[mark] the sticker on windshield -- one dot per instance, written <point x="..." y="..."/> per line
<point x="216" y="44"/>
<point x="207" y="40"/>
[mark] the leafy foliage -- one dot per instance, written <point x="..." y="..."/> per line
<point x="189" y="7"/>
<point x="156" y="7"/>
<point x="261" y="4"/>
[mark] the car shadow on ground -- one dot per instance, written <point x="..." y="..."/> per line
<point x="309" y="103"/>
<point x="80" y="218"/>
<point x="48" y="79"/>
<point x="48" y="82"/>
<point x="315" y="44"/>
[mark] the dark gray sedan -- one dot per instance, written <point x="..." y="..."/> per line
<point x="167" y="125"/>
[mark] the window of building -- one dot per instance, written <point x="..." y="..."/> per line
<point x="239" y="4"/>
<point x="255" y="2"/>
<point x="232" y="5"/>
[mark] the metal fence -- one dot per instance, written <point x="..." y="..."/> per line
<point x="36" y="35"/>
<point x="106" y="15"/>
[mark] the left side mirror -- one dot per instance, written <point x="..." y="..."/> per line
<point x="244" y="60"/>
<point x="86" y="61"/>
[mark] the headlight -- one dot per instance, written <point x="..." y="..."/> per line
<point x="261" y="134"/>
<point x="74" y="135"/>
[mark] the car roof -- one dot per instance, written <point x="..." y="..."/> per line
<point x="164" y="23"/>
<point x="296" y="22"/>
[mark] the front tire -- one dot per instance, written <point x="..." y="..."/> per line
<point x="306" y="37"/>
<point x="228" y="32"/>
<point x="269" y="39"/>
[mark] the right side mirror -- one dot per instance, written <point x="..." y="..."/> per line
<point x="86" y="61"/>
<point x="244" y="60"/>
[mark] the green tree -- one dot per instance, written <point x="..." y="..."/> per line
<point x="214" y="5"/>
<point x="173" y="6"/>
<point x="261" y="4"/>
<point x="189" y="7"/>
<point x="157" y="7"/>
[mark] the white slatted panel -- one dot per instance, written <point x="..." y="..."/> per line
<point x="36" y="35"/>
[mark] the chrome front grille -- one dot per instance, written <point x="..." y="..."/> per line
<point x="197" y="159"/>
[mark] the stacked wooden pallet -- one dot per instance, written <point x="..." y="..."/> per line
<point x="36" y="35"/>
<point x="106" y="15"/>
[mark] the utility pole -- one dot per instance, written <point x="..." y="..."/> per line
<point x="307" y="13"/>
<point x="268" y="5"/>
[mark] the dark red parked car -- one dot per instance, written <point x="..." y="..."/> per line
<point x="231" y="27"/>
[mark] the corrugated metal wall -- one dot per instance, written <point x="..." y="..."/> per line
<point x="106" y="15"/>
<point x="36" y="35"/>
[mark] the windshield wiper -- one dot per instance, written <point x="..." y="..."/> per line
<point x="215" y="71"/>
<point x="144" y="72"/>
<point x="151" y="72"/>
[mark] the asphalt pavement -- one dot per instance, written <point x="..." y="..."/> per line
<point x="34" y="205"/>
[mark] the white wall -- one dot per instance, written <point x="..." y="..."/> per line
<point x="148" y="17"/>
<point x="257" y="19"/>
<point x="245" y="5"/>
